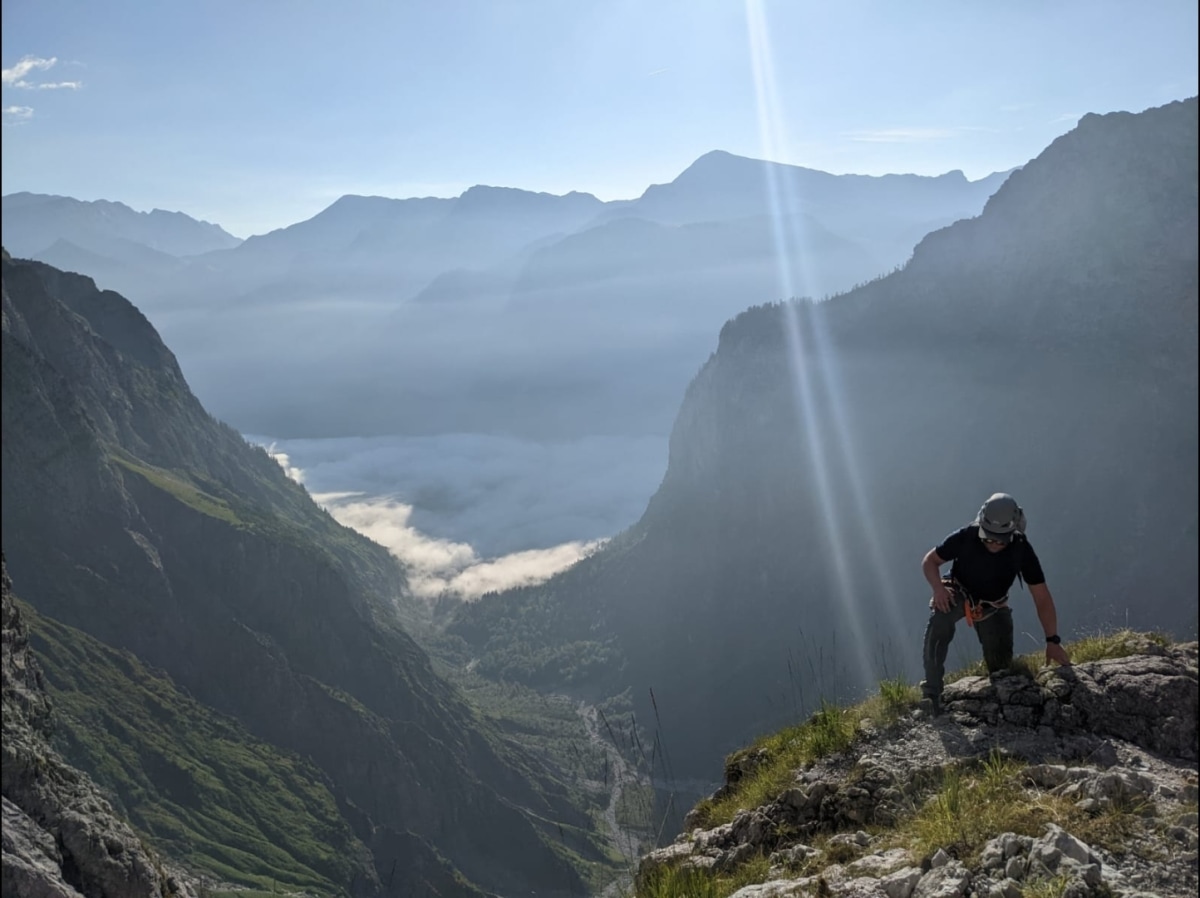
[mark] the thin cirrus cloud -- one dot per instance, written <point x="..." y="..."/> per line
<point x="904" y="135"/>
<point x="17" y="76"/>
<point x="17" y="115"/>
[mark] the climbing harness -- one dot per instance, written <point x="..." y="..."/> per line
<point x="974" y="610"/>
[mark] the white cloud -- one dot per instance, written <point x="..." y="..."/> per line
<point x="471" y="513"/>
<point x="15" y="77"/>
<point x="285" y="462"/>
<point x="440" y="566"/>
<point x="1071" y="117"/>
<point x="17" y="115"/>
<point x="497" y="494"/>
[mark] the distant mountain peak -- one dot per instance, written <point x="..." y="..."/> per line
<point x="484" y="196"/>
<point x="33" y="222"/>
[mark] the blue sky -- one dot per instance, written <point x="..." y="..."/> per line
<point x="259" y="114"/>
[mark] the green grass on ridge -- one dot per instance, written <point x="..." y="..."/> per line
<point x="194" y="783"/>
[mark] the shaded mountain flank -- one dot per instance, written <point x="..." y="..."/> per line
<point x="132" y="516"/>
<point x="1047" y="348"/>
<point x="1072" y="782"/>
<point x="61" y="837"/>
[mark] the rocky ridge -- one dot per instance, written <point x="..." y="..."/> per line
<point x="61" y="836"/>
<point x="1108" y="746"/>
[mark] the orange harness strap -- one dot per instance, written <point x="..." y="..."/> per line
<point x="973" y="611"/>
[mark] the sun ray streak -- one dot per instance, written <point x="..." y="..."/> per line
<point x="813" y="367"/>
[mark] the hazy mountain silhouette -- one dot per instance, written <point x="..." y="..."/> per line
<point x="383" y="249"/>
<point x="33" y="222"/>
<point x="520" y="312"/>
<point x="874" y="209"/>
<point x="123" y="249"/>
<point x="1047" y="348"/>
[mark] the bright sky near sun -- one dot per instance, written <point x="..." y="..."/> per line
<point x="259" y="114"/>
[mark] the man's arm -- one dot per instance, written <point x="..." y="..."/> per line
<point x="1047" y="614"/>
<point x="931" y="566"/>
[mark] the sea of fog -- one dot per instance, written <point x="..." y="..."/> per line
<point x="470" y="513"/>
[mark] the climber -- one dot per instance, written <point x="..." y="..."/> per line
<point x="988" y="554"/>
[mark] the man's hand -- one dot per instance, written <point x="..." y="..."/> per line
<point x="942" y="599"/>
<point x="1057" y="654"/>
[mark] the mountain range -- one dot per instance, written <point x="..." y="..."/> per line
<point x="500" y="290"/>
<point x="1046" y="348"/>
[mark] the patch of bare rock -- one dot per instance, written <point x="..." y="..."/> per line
<point x="1099" y="736"/>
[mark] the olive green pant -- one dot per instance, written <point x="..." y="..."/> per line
<point x="995" y="636"/>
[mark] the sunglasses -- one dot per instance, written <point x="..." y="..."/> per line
<point x="994" y="542"/>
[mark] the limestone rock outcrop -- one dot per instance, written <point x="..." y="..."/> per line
<point x="1112" y="740"/>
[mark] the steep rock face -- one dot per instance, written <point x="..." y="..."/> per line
<point x="1047" y="348"/>
<point x="133" y="515"/>
<point x="1108" y="747"/>
<point x="61" y="837"/>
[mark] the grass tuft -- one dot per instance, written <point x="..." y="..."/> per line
<point x="973" y="804"/>
<point x="980" y="800"/>
<point x="676" y="882"/>
<point x="1043" y="887"/>
<point x="1117" y="644"/>
<point x="830" y="729"/>
<point x="691" y="882"/>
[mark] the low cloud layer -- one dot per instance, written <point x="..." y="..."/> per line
<point x="472" y="513"/>
<point x="441" y="566"/>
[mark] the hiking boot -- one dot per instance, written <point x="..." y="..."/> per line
<point x="930" y="706"/>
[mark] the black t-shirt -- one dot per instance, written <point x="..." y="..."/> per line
<point x="985" y="575"/>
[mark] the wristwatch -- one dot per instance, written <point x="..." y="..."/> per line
<point x="1056" y="639"/>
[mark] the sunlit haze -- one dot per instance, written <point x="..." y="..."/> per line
<point x="255" y="116"/>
